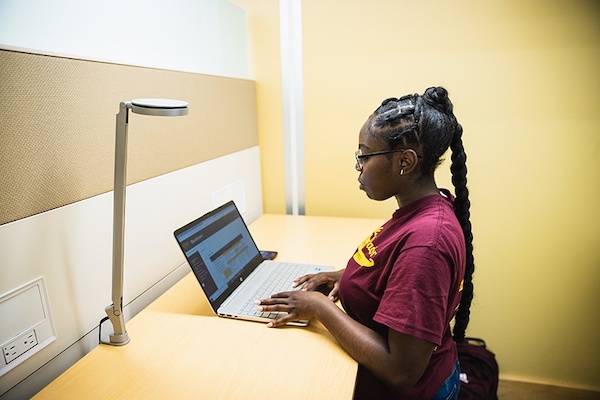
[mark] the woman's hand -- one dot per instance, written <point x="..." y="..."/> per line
<point x="325" y="282"/>
<point x="299" y="304"/>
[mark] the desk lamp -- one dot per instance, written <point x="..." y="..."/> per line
<point x="156" y="107"/>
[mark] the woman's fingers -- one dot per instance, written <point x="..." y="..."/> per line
<point x="303" y="281"/>
<point x="297" y="304"/>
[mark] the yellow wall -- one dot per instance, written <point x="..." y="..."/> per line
<point x="524" y="77"/>
<point x="263" y="23"/>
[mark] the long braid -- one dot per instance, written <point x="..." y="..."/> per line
<point x="452" y="131"/>
<point x="428" y="122"/>
<point x="461" y="207"/>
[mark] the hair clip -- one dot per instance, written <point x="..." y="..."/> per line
<point x="418" y="116"/>
<point x="398" y="111"/>
<point x="407" y="108"/>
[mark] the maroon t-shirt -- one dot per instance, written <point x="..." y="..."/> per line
<point x="407" y="276"/>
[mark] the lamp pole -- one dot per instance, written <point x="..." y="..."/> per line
<point x="157" y="107"/>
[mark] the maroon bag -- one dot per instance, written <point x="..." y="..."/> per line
<point x="478" y="371"/>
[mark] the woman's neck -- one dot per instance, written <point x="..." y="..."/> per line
<point x="416" y="191"/>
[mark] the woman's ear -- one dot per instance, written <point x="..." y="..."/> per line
<point x="408" y="161"/>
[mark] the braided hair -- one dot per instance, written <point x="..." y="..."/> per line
<point x="427" y="124"/>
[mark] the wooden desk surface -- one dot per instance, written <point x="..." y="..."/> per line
<point x="180" y="350"/>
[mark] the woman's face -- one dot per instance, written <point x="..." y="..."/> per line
<point x="379" y="175"/>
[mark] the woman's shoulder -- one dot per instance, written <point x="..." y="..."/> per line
<point x="426" y="222"/>
<point x="427" y="207"/>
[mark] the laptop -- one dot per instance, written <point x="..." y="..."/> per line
<point x="230" y="268"/>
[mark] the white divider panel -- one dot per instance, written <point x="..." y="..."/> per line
<point x="71" y="246"/>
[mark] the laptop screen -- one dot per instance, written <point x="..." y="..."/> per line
<point x="220" y="251"/>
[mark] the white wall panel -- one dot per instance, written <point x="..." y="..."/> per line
<point x="71" y="246"/>
<point x="203" y="36"/>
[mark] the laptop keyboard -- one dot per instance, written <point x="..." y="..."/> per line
<point x="282" y="281"/>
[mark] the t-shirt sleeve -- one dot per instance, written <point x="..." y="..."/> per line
<point x="415" y="300"/>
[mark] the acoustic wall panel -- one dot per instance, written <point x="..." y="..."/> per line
<point x="57" y="123"/>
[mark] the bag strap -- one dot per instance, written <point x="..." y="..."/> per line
<point x="475" y="341"/>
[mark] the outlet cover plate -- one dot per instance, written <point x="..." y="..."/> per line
<point x="27" y="326"/>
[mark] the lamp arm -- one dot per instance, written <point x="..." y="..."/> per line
<point x="115" y="310"/>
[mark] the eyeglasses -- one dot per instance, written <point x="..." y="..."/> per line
<point x="360" y="157"/>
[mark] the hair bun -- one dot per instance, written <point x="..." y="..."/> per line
<point x="437" y="97"/>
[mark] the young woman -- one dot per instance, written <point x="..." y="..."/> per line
<point x="404" y="284"/>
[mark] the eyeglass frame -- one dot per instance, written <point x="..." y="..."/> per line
<point x="359" y="156"/>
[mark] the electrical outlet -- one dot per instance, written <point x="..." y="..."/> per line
<point x="26" y="326"/>
<point x="19" y="346"/>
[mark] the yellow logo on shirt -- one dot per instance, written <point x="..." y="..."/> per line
<point x="366" y="260"/>
<point x="460" y="289"/>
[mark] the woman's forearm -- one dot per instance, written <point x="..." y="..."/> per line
<point x="399" y="363"/>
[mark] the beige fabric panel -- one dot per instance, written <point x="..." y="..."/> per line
<point x="57" y="127"/>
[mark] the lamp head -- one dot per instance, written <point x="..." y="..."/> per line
<point x="159" y="107"/>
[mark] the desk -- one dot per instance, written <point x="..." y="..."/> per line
<point x="180" y="350"/>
